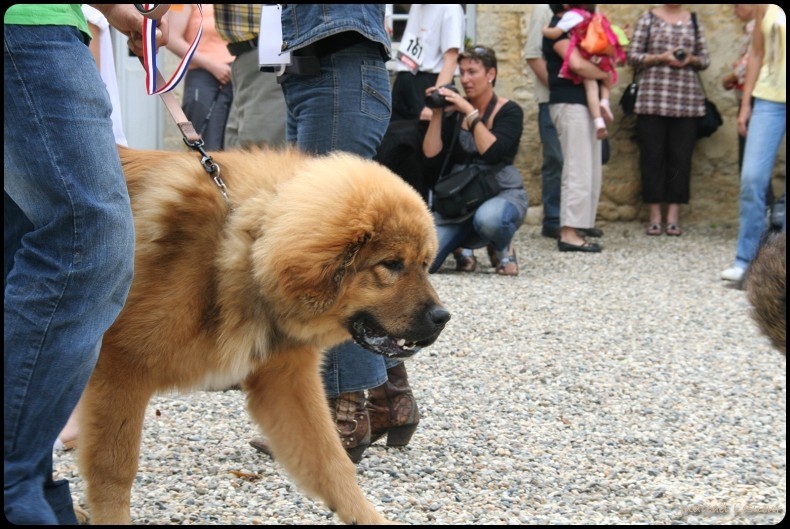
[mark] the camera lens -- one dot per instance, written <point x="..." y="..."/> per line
<point x="436" y="100"/>
<point x="680" y="54"/>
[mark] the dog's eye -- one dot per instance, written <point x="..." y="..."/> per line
<point x="394" y="265"/>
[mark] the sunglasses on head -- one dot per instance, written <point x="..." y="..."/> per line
<point x="480" y="53"/>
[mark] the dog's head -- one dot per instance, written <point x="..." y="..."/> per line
<point x="347" y="245"/>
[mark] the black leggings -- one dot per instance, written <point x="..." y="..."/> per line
<point x="666" y="146"/>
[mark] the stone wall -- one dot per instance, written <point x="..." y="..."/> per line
<point x="714" y="181"/>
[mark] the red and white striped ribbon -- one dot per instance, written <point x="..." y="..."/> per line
<point x="149" y="54"/>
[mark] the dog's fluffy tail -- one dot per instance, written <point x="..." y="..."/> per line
<point x="766" y="288"/>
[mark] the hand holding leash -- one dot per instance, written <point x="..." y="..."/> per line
<point x="129" y="20"/>
<point x="154" y="11"/>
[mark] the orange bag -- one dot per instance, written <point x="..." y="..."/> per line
<point x="596" y="40"/>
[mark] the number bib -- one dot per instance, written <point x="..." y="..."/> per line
<point x="411" y="51"/>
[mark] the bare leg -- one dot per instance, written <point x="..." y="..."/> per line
<point x="68" y="436"/>
<point x="606" y="109"/>
<point x="673" y="219"/>
<point x="655" y="220"/>
<point x="594" y="104"/>
<point x="673" y="214"/>
<point x="592" y="93"/>
<point x="655" y="214"/>
<point x="571" y="236"/>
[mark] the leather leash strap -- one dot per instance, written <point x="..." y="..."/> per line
<point x="177" y="113"/>
<point x="188" y="133"/>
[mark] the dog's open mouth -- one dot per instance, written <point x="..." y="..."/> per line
<point x="375" y="340"/>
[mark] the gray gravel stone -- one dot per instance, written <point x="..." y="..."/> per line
<point x="628" y="387"/>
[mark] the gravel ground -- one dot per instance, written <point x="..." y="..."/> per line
<point x="628" y="387"/>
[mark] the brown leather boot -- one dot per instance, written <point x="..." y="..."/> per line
<point x="392" y="409"/>
<point x="352" y="423"/>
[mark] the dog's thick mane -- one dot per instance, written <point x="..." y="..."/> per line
<point x="238" y="243"/>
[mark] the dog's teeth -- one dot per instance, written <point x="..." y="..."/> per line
<point x="401" y="342"/>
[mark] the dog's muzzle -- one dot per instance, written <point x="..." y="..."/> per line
<point x="370" y="335"/>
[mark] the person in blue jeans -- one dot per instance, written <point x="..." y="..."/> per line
<point x="337" y="94"/>
<point x="69" y="239"/>
<point x="551" y="169"/>
<point x="764" y="124"/>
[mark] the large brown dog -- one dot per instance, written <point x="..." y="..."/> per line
<point x="307" y="252"/>
<point x="766" y="288"/>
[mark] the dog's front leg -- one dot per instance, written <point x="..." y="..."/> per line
<point x="111" y="424"/>
<point x="286" y="397"/>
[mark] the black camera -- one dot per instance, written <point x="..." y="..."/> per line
<point x="680" y="54"/>
<point x="436" y="100"/>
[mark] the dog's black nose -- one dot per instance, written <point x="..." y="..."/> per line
<point x="438" y="315"/>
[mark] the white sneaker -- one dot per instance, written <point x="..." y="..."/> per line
<point x="734" y="273"/>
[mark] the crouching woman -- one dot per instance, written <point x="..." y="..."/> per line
<point x="489" y="134"/>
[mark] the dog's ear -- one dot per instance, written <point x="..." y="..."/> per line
<point x="347" y="260"/>
<point x="319" y="291"/>
<point x="314" y="275"/>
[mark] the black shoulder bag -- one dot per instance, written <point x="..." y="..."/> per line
<point x="711" y="121"/>
<point x="462" y="192"/>
<point x="628" y="99"/>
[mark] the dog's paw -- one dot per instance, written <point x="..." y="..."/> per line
<point x="371" y="517"/>
<point x="83" y="516"/>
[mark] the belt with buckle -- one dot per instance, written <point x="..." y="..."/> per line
<point x="239" y="48"/>
<point x="307" y="60"/>
<point x="299" y="66"/>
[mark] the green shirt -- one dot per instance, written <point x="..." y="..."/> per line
<point x="47" y="15"/>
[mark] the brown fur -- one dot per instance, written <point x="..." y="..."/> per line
<point x="766" y="288"/>
<point x="254" y="293"/>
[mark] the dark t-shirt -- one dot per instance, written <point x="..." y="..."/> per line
<point x="560" y="90"/>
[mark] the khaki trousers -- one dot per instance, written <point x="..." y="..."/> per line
<point x="581" y="169"/>
<point x="257" y="113"/>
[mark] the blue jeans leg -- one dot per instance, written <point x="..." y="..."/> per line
<point x="496" y="221"/>
<point x="345" y="108"/>
<point x="349" y="367"/>
<point x="551" y="171"/>
<point x="767" y="127"/>
<point x="71" y="235"/>
<point x="451" y="236"/>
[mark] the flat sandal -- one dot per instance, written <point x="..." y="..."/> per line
<point x="465" y="263"/>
